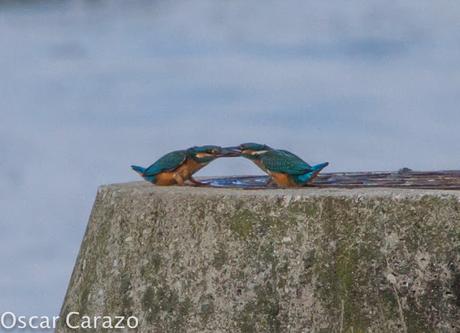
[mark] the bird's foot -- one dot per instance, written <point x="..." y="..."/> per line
<point x="197" y="183"/>
<point x="270" y="183"/>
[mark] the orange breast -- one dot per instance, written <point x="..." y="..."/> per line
<point x="185" y="170"/>
<point x="165" y="179"/>
<point x="282" y="179"/>
<point x="188" y="168"/>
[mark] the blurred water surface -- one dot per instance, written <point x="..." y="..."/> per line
<point x="89" y="87"/>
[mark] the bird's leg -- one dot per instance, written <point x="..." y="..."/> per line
<point x="178" y="178"/>
<point x="270" y="182"/>
<point x="196" y="182"/>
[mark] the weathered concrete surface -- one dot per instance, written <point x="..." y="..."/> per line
<point x="310" y="260"/>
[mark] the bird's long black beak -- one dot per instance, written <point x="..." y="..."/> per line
<point x="231" y="151"/>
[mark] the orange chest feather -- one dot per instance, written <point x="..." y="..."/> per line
<point x="165" y="179"/>
<point x="282" y="179"/>
<point x="188" y="168"/>
<point x="185" y="170"/>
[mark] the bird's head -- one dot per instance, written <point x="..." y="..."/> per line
<point x="208" y="153"/>
<point x="250" y="150"/>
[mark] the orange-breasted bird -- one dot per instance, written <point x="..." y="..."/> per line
<point x="284" y="168"/>
<point x="179" y="166"/>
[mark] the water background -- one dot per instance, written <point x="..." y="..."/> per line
<point x="89" y="87"/>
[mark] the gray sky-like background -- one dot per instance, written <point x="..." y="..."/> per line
<point x="89" y="87"/>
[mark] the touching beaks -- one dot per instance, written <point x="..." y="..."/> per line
<point x="231" y="151"/>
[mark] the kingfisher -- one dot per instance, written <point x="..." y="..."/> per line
<point x="284" y="168"/>
<point x="176" y="167"/>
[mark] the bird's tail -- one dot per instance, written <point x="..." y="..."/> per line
<point x="319" y="167"/>
<point x="310" y="175"/>
<point x="141" y="171"/>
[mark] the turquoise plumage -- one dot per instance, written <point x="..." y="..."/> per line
<point x="178" y="166"/>
<point x="168" y="162"/>
<point x="277" y="160"/>
<point x="285" y="168"/>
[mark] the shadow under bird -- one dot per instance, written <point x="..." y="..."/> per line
<point x="176" y="167"/>
<point x="284" y="168"/>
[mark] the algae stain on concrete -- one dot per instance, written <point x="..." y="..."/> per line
<point x="260" y="314"/>
<point x="346" y="274"/>
<point x="456" y="289"/>
<point x="242" y="223"/>
<point x="149" y="305"/>
<point x="221" y="257"/>
<point x="125" y="287"/>
<point x="165" y="303"/>
<point x="207" y="307"/>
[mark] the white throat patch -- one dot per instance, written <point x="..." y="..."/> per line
<point x="260" y="152"/>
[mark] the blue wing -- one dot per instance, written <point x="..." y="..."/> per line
<point x="168" y="162"/>
<point x="284" y="161"/>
